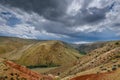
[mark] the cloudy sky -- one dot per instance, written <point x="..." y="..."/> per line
<point x="75" y="21"/>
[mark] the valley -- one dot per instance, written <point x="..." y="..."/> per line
<point x="52" y="58"/>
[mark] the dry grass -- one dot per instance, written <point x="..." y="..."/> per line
<point x="95" y="58"/>
<point x="50" y="53"/>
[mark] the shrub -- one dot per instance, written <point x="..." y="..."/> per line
<point x="11" y="74"/>
<point x="108" y="70"/>
<point x="101" y="66"/>
<point x="12" y="78"/>
<point x="6" y="77"/>
<point x="23" y="78"/>
<point x="118" y="65"/>
<point x="117" y="43"/>
<point x="58" y="73"/>
<point x="114" y="68"/>
<point x="114" y="65"/>
<point x="97" y="72"/>
<point x="103" y="69"/>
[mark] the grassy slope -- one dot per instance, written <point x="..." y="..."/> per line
<point x="50" y="53"/>
<point x="37" y="53"/>
<point x="8" y="44"/>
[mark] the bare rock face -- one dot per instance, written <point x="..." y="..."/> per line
<point x="26" y="71"/>
<point x="11" y="70"/>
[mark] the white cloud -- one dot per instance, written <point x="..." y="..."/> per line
<point x="83" y="28"/>
<point x="100" y="3"/>
<point x="20" y="31"/>
<point x="74" y="7"/>
<point x="82" y="42"/>
<point x="88" y="28"/>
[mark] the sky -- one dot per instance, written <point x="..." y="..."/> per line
<point x="74" y="21"/>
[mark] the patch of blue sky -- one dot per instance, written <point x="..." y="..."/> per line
<point x="11" y="19"/>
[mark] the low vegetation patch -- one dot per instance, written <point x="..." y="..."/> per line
<point x="42" y="66"/>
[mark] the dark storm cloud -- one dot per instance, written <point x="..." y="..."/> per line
<point x="94" y="14"/>
<point x="51" y="9"/>
<point x="56" y="10"/>
<point x="94" y="36"/>
<point x="116" y="25"/>
<point x="87" y="16"/>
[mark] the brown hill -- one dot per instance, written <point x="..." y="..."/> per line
<point x="114" y="75"/>
<point x="99" y="60"/>
<point x="8" y="44"/>
<point x="48" y="53"/>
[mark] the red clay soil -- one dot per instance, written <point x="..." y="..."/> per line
<point x="33" y="75"/>
<point x="99" y="76"/>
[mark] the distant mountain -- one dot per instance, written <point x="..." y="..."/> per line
<point x="86" y="48"/>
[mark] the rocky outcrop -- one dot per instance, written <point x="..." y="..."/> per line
<point x="31" y="74"/>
